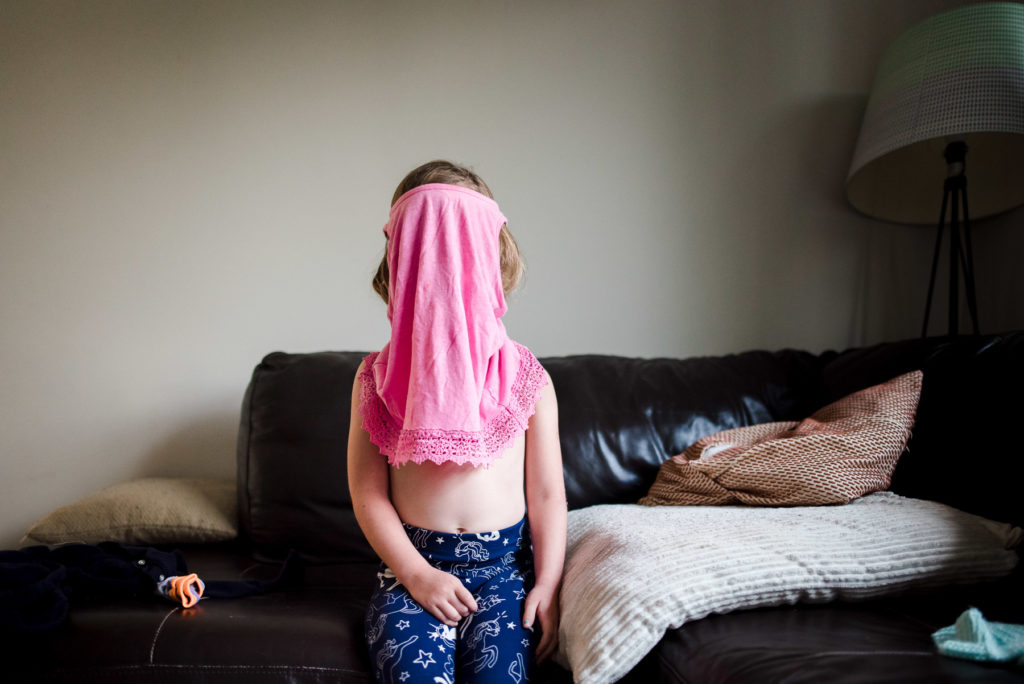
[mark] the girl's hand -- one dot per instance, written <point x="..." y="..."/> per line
<point x="441" y="594"/>
<point x="541" y="605"/>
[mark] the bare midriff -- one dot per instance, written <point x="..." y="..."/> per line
<point x="461" y="498"/>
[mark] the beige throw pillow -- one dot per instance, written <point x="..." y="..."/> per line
<point x="845" y="450"/>
<point x="145" y="511"/>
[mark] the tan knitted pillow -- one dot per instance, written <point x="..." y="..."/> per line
<point x="844" y="451"/>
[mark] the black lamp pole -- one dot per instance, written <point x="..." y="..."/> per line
<point x="955" y="194"/>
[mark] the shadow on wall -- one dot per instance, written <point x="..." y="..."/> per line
<point x="884" y="266"/>
<point x="830" y="127"/>
<point x="796" y="235"/>
<point x="204" y="447"/>
<point x="823" y="233"/>
<point x="890" y="264"/>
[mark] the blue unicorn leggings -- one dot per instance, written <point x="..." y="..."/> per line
<point x="409" y="645"/>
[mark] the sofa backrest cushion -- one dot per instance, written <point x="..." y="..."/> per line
<point x="292" y="445"/>
<point x="619" y="418"/>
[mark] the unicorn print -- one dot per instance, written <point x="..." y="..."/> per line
<point x="470" y="550"/>
<point x="485" y="654"/>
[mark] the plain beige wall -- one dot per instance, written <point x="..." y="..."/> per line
<point x="187" y="186"/>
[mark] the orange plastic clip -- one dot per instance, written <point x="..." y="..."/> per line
<point x="187" y="589"/>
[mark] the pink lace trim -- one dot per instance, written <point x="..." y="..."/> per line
<point x="451" y="446"/>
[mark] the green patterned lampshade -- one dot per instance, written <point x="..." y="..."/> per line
<point x="956" y="76"/>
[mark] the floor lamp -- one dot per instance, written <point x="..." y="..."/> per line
<point x="950" y="90"/>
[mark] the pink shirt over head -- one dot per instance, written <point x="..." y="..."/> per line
<point x="450" y="386"/>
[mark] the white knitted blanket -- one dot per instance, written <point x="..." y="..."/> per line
<point x="634" y="571"/>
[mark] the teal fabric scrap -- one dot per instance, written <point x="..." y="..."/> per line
<point x="975" y="638"/>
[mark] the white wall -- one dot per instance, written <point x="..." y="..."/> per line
<point x="185" y="186"/>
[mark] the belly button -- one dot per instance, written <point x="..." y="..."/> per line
<point x="460" y="529"/>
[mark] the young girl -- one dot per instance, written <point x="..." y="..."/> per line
<point x="454" y="464"/>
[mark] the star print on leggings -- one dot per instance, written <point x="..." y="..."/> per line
<point x="425" y="658"/>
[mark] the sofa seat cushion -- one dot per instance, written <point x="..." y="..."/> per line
<point x="288" y="636"/>
<point x="309" y="633"/>
<point x="883" y="641"/>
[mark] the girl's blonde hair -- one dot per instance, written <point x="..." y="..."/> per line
<point x="440" y="171"/>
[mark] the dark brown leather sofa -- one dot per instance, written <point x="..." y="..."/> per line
<point x="619" y="419"/>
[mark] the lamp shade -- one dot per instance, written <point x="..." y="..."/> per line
<point x="956" y="76"/>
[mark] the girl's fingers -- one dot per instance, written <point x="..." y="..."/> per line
<point x="466" y="597"/>
<point x="448" y="614"/>
<point x="529" y="612"/>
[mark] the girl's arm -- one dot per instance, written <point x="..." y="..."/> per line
<point x="440" y="593"/>
<point x="546" y="508"/>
